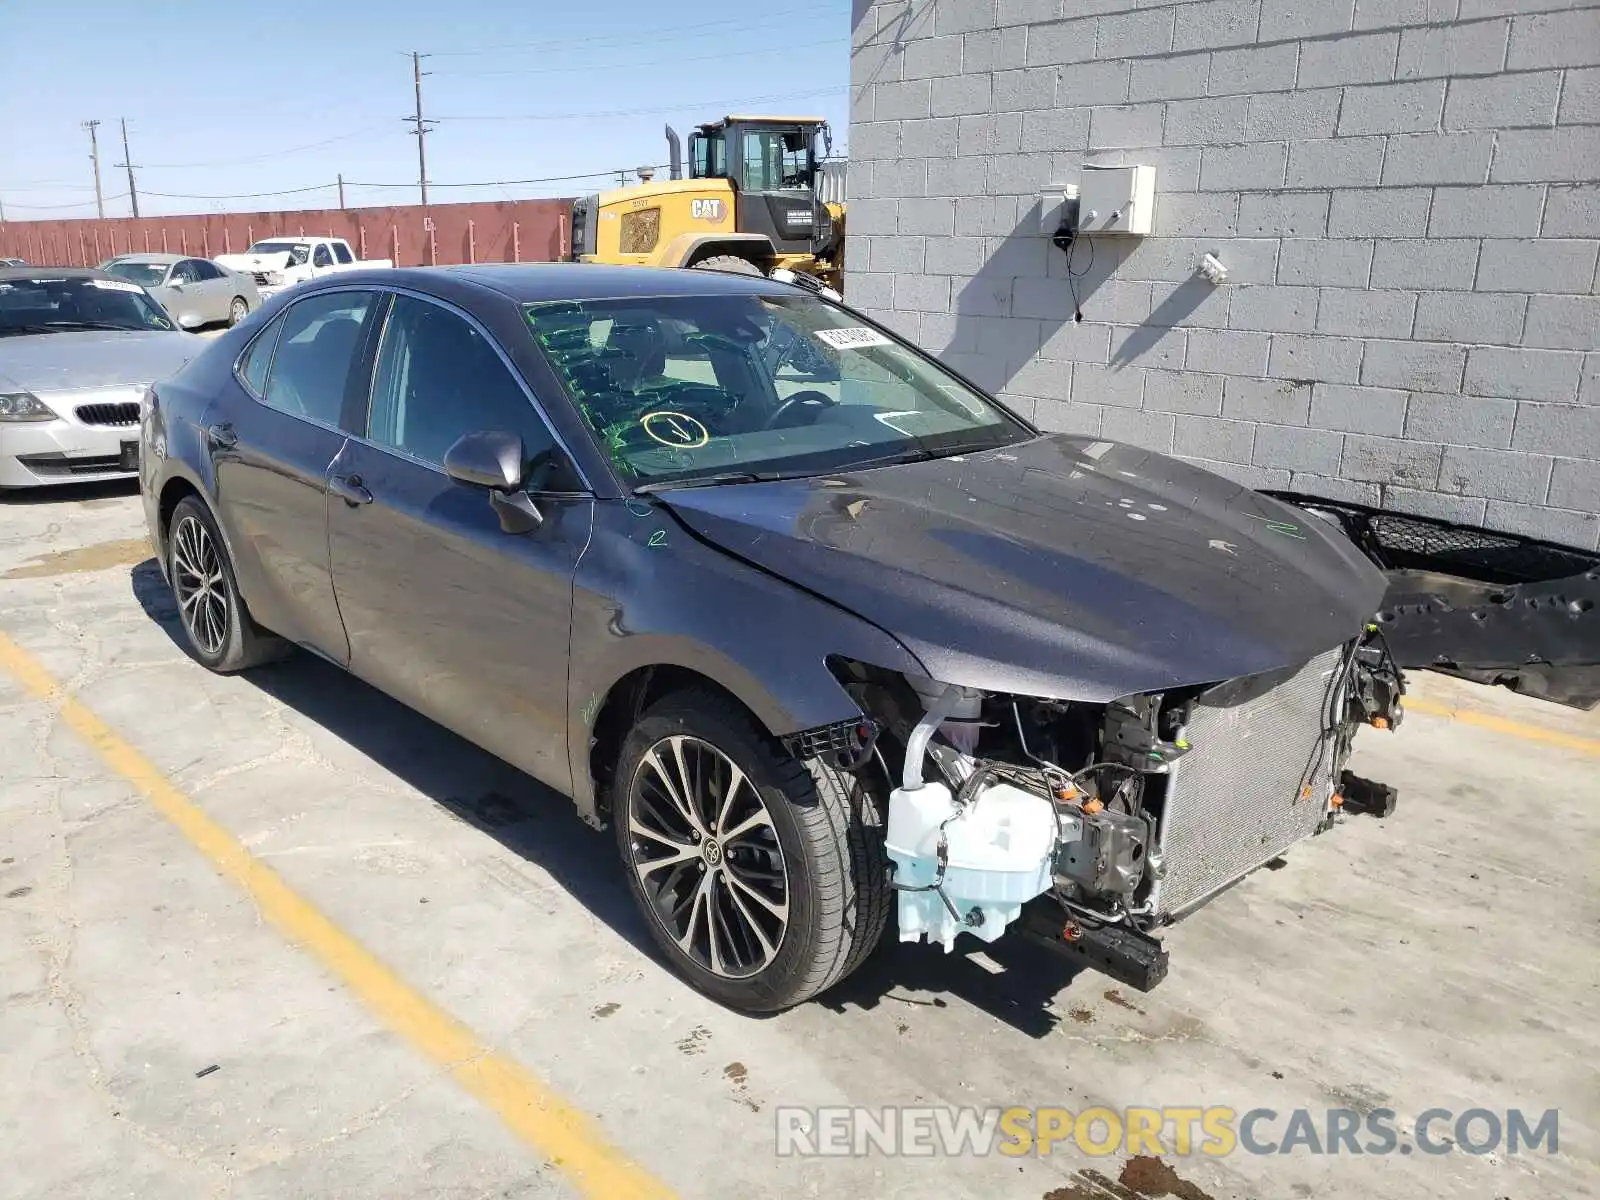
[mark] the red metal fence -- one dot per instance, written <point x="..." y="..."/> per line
<point x="411" y="235"/>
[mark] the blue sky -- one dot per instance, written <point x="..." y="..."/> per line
<point x="223" y="99"/>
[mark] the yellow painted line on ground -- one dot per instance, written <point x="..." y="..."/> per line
<point x="530" y="1108"/>
<point x="1494" y="724"/>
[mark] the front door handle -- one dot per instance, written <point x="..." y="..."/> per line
<point x="222" y="435"/>
<point x="349" y="489"/>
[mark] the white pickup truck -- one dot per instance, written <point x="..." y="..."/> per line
<point x="279" y="263"/>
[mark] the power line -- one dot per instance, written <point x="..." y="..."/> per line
<point x="654" y="108"/>
<point x="315" y="187"/>
<point x="233" y="162"/>
<point x="508" y="182"/>
<point x="659" y="62"/>
<point x="48" y="185"/>
<point x="59" y="207"/>
<point x="637" y="36"/>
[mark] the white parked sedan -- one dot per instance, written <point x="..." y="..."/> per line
<point x="196" y="291"/>
<point x="77" y="350"/>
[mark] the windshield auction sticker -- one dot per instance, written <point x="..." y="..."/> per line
<point x="854" y="338"/>
<point x="114" y="285"/>
<point x="675" y="429"/>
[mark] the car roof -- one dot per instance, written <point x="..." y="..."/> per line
<point x="154" y="258"/>
<point x="534" y="282"/>
<point x="36" y="272"/>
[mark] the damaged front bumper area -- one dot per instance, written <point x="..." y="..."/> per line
<point x="1088" y="827"/>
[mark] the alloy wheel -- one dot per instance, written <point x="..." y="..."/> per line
<point x="707" y="856"/>
<point x="200" y="585"/>
<point x="237" y="311"/>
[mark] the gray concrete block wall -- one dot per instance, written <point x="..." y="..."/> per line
<point x="1406" y="194"/>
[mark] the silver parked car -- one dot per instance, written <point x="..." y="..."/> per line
<point x="77" y="350"/>
<point x="196" y="291"/>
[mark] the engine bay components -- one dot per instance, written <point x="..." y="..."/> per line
<point x="1116" y="819"/>
<point x="1108" y="853"/>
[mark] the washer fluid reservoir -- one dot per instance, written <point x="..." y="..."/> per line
<point x="999" y="851"/>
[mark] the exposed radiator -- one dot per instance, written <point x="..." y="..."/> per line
<point x="1234" y="801"/>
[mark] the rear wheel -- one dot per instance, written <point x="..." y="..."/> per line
<point x="762" y="878"/>
<point x="216" y="624"/>
<point x="238" y="311"/>
<point x="730" y="263"/>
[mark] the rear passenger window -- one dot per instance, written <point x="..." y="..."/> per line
<point x="317" y="347"/>
<point x="258" y="358"/>
<point x="342" y="252"/>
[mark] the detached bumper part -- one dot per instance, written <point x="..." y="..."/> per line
<point x="1126" y="955"/>
<point x="1366" y="796"/>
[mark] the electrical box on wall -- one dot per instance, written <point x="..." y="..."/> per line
<point x="1117" y="200"/>
<point x="1058" y="208"/>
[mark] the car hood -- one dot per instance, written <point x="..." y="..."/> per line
<point x="1064" y="566"/>
<point x="277" y="261"/>
<point x="57" y="362"/>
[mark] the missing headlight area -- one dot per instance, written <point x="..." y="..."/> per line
<point x="1093" y="825"/>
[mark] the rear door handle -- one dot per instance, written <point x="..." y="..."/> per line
<point x="222" y="435"/>
<point x="349" y="489"/>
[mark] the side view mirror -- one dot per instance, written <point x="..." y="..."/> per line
<point x="189" y="321"/>
<point x="492" y="458"/>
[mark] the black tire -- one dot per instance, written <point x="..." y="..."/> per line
<point x="217" y="628"/>
<point x="234" y="315"/>
<point x="828" y="825"/>
<point x="730" y="263"/>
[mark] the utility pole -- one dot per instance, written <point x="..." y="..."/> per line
<point x="94" y="157"/>
<point x="420" y="127"/>
<point x="127" y="161"/>
<point x="341" y="191"/>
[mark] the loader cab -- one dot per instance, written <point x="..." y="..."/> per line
<point x="773" y="164"/>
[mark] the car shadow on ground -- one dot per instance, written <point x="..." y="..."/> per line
<point x="63" y="493"/>
<point x="1013" y="981"/>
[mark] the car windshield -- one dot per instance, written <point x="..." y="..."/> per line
<point x="682" y="387"/>
<point x="46" y="304"/>
<point x="299" y="252"/>
<point x="143" y="273"/>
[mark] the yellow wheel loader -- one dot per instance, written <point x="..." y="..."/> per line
<point x="750" y="204"/>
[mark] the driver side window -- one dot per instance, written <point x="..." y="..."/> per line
<point x="320" y="257"/>
<point x="438" y="378"/>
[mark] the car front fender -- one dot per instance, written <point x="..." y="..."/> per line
<point x="648" y="593"/>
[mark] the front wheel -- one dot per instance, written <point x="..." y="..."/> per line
<point x="762" y="878"/>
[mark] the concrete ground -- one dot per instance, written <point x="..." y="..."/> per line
<point x="167" y="1032"/>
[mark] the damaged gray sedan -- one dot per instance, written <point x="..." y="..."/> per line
<point x="828" y="637"/>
